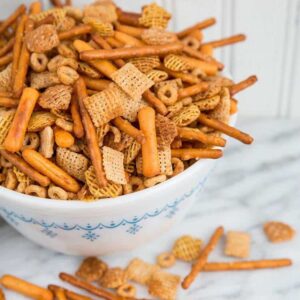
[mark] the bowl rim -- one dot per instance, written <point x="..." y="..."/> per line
<point x="44" y="203"/>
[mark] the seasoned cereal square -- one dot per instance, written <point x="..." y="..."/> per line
<point x="237" y="244"/>
<point x="91" y="269"/>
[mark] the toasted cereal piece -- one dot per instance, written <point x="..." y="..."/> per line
<point x="176" y="63"/>
<point x="132" y="152"/>
<point x="113" y="163"/>
<point x="58" y="14"/>
<point x="157" y="76"/>
<point x="186" y="116"/>
<point x="59" y="61"/>
<point x="39" y="120"/>
<point x="43" y="80"/>
<point x="166" y="130"/>
<point x="110" y="191"/>
<point x="222" y="111"/>
<point x="213" y="90"/>
<point x="73" y="163"/>
<point x="158" y="36"/>
<point x="67" y="75"/>
<point x="38" y="62"/>
<point x="209" y="103"/>
<point x="278" y="232"/>
<point x="101" y="133"/>
<point x="140" y="271"/>
<point x="154" y="16"/>
<point x="42" y="39"/>
<point x="91" y="269"/>
<point x="237" y="244"/>
<point x="152" y="181"/>
<point x="131" y="108"/>
<point x="145" y="64"/>
<point x="11" y="181"/>
<point x="56" y="192"/>
<point x="6" y="118"/>
<point x="36" y="191"/>
<point x="5" y="79"/>
<point x="187" y="248"/>
<point x="113" y="278"/>
<point x="132" y="81"/>
<point x="104" y="106"/>
<point x="164" y="285"/>
<point x="127" y="290"/>
<point x="87" y="70"/>
<point x="105" y="13"/>
<point x="66" y="24"/>
<point x="56" y="97"/>
<point x="73" y="12"/>
<point x="165" y="160"/>
<point x="103" y="29"/>
<point x="31" y="141"/>
<point x="139" y="164"/>
<point x="220" y="81"/>
<point x="47" y="142"/>
<point x="166" y="260"/>
<point x="21" y="177"/>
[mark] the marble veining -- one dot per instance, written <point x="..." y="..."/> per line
<point x="249" y="186"/>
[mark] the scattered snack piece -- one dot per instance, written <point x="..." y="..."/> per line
<point x="278" y="232"/>
<point x="187" y="248"/>
<point x="126" y="290"/>
<point x="163" y="285"/>
<point x="237" y="244"/>
<point x="113" y="278"/>
<point x="140" y="271"/>
<point x="91" y="269"/>
<point x="2" y="296"/>
<point x="70" y="295"/>
<point x="166" y="260"/>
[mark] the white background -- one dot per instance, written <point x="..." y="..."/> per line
<point x="272" y="50"/>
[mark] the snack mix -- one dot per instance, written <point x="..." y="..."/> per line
<point x="99" y="102"/>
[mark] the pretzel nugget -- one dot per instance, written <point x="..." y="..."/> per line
<point x="91" y="135"/>
<point x="151" y="166"/>
<point x="226" y="41"/>
<point x="247" y="265"/>
<point x="88" y="287"/>
<point x="12" y="18"/>
<point x="201" y="261"/>
<point x="49" y="169"/>
<point x="199" y="26"/>
<point x="16" y="134"/>
<point x="192" y="90"/>
<point x="193" y="134"/>
<point x="25" y="288"/>
<point x="238" y="87"/>
<point x="125" y="53"/>
<point x="78" y="126"/>
<point x="75" y="31"/>
<point x="228" y="130"/>
<point x="126" y="127"/>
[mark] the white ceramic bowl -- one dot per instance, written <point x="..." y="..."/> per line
<point x="106" y="226"/>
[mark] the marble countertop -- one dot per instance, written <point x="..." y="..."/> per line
<point x="250" y="186"/>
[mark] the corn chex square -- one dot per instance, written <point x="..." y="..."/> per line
<point x="237" y="244"/>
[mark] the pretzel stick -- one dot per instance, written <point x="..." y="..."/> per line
<point x="70" y="295"/>
<point x="16" y="134"/>
<point x="88" y="287"/>
<point x="199" y="26"/>
<point x="5" y="94"/>
<point x="233" y="106"/>
<point x="236" y="88"/>
<point x="128" y="18"/>
<point x="96" y="84"/>
<point x="141" y="51"/>
<point x="35" y="8"/>
<point x="2" y="296"/>
<point x="191" y="153"/>
<point x="192" y="90"/>
<point x="114" y="43"/>
<point x="207" y="49"/>
<point x="100" y="41"/>
<point x="130" y="30"/>
<point x="201" y="261"/>
<point x="90" y="133"/>
<point x="146" y="117"/>
<point x="126" y="127"/>
<point x="185" y="77"/>
<point x="197" y="34"/>
<point x="18" y="47"/>
<point x="227" y="129"/>
<point x="12" y="18"/>
<point x="128" y="39"/>
<point x="226" y="41"/>
<point x="25" y="288"/>
<point x="75" y="31"/>
<point x="6" y="59"/>
<point x="49" y="169"/>
<point x="77" y="123"/>
<point x="25" y="168"/>
<point x="103" y="66"/>
<point x="8" y="102"/>
<point x="8" y="47"/>
<point x="209" y="68"/>
<point x="197" y="54"/>
<point x="155" y="102"/>
<point x="23" y="64"/>
<point x="60" y="294"/>
<point x="190" y="134"/>
<point x="247" y="265"/>
<point x="47" y="20"/>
